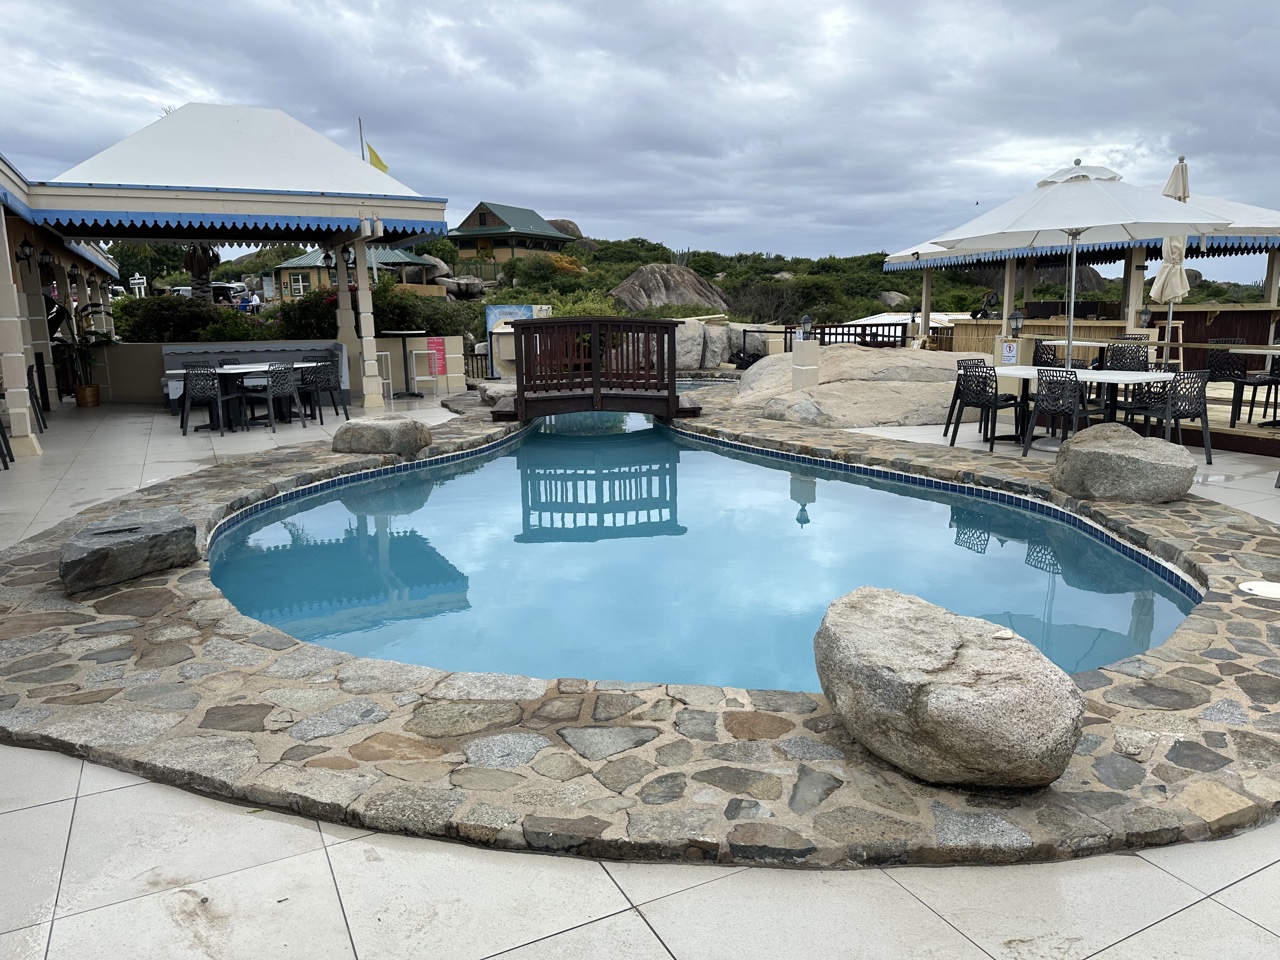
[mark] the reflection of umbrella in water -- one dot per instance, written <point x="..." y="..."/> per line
<point x="1090" y="647"/>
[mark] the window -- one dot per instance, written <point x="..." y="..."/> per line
<point x="484" y="219"/>
<point x="299" y="284"/>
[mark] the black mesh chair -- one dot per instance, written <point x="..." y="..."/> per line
<point x="202" y="387"/>
<point x="280" y="386"/>
<point x="33" y="396"/>
<point x="979" y="388"/>
<point x="1045" y="356"/>
<point x="961" y="366"/>
<point x="1270" y="381"/>
<point x="1187" y="400"/>
<point x="323" y="379"/>
<point x="1057" y="396"/>
<point x="1232" y="368"/>
<point x="6" y="451"/>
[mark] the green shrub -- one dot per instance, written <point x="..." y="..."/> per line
<point x="310" y="317"/>
<point x="242" y="326"/>
<point x="165" y="319"/>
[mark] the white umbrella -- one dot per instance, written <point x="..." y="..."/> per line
<point x="1074" y="201"/>
<point x="1171" y="284"/>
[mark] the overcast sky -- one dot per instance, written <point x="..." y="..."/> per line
<point x="799" y="128"/>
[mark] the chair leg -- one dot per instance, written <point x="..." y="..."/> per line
<point x="955" y="427"/>
<point x="1031" y="429"/>
<point x="186" y="412"/>
<point x="271" y="412"/>
<point x="1204" y="432"/>
<point x="1253" y="396"/>
<point x="946" y="427"/>
<point x="301" y="414"/>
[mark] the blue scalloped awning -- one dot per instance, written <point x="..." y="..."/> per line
<point x="98" y="219"/>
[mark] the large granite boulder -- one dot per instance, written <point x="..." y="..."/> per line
<point x="1111" y="462"/>
<point x="388" y="433"/>
<point x="567" y="227"/>
<point x="130" y="544"/>
<point x="664" y="284"/>
<point x="434" y="268"/>
<point x="717" y="345"/>
<point x="949" y="699"/>
<point x="689" y="345"/>
<point x="892" y="298"/>
<point x="857" y="387"/>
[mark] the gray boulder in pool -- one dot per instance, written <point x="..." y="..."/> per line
<point x="388" y="433"/>
<point x="1111" y="462"/>
<point x="949" y="699"/>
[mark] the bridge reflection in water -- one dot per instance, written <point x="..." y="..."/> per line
<point x="576" y="489"/>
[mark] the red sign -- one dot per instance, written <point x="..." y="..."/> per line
<point x="436" y="346"/>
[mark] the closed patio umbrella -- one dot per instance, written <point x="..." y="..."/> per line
<point x="1074" y="201"/>
<point x="1171" y="284"/>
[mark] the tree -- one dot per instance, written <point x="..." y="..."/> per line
<point x="441" y="248"/>
<point x="149" y="260"/>
<point x="200" y="259"/>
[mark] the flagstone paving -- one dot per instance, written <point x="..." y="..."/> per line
<point x="164" y="678"/>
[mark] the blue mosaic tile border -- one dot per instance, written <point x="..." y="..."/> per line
<point x="240" y="516"/>
<point x="1169" y="574"/>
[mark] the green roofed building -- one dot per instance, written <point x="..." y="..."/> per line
<point x="494" y="231"/>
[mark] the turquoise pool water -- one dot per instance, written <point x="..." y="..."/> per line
<point x="636" y="556"/>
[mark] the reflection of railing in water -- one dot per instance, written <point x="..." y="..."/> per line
<point x="626" y="489"/>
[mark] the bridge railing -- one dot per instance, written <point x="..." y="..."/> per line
<point x="595" y="363"/>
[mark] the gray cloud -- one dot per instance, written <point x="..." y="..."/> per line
<point x="806" y="128"/>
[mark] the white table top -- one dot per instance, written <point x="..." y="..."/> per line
<point x="1078" y="343"/>
<point x="235" y="369"/>
<point x="1026" y="372"/>
<point x="403" y="333"/>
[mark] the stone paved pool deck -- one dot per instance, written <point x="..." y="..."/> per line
<point x="164" y="678"/>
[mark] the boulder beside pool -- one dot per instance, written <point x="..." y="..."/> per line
<point x="388" y="433"/>
<point x="128" y="545"/>
<point x="1111" y="462"/>
<point x="949" y="699"/>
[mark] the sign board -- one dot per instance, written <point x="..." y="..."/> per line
<point x="1008" y="350"/>
<point x="438" y="364"/>
<point x="496" y="315"/>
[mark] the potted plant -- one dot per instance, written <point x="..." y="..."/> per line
<point x="79" y="353"/>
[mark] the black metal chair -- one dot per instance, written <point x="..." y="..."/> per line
<point x="1227" y="367"/>
<point x="961" y="366"/>
<point x="323" y="379"/>
<point x="978" y="387"/>
<point x="201" y="386"/>
<point x="1057" y="395"/>
<point x="280" y="386"/>
<point x="1269" y="380"/>
<point x="1187" y="400"/>
<point x="1045" y="356"/>
<point x="6" y="451"/>
<point x="33" y="395"/>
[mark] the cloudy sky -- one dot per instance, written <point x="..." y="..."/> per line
<point x="801" y="128"/>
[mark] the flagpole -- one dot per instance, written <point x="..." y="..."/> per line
<point x="360" y="121"/>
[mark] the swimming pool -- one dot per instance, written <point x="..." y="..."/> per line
<point x="640" y="556"/>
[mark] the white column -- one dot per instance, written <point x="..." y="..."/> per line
<point x="13" y="354"/>
<point x="1010" y="292"/>
<point x="926" y="301"/>
<point x="37" y="322"/>
<point x="804" y="364"/>
<point x="1272" y="281"/>
<point x="1135" y="269"/>
<point x="347" y="325"/>
<point x="371" y="383"/>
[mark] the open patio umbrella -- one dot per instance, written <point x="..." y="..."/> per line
<point x="1171" y="284"/>
<point x="1074" y="201"/>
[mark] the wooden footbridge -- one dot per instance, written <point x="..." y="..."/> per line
<point x="578" y="364"/>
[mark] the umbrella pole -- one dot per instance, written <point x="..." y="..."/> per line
<point x="1071" y="297"/>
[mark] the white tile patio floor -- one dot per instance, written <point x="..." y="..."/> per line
<point x="96" y="863"/>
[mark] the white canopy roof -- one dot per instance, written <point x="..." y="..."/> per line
<point x="226" y="174"/>
<point x="218" y="147"/>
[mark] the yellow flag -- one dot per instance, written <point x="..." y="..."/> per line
<point x="374" y="158"/>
